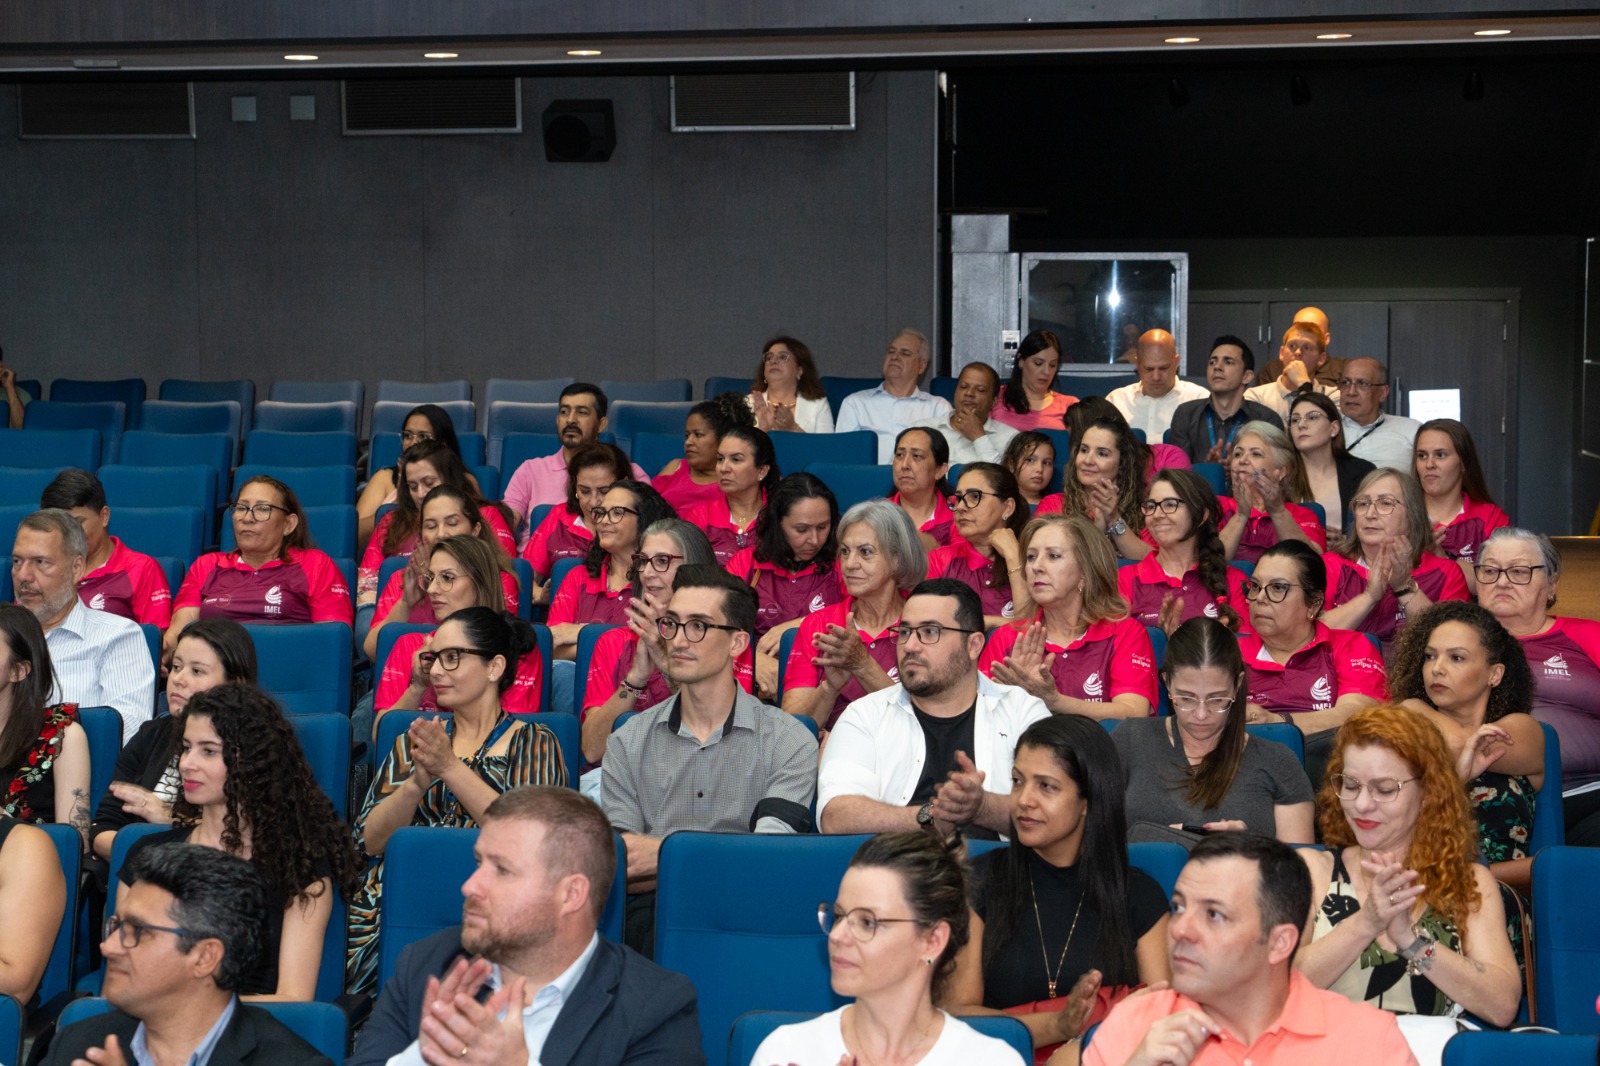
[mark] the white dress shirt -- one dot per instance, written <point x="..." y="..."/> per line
<point x="876" y="748"/>
<point x="1153" y="414"/>
<point x="102" y="660"/>
<point x="989" y="448"/>
<point x="1390" y="441"/>
<point x="1275" y="396"/>
<point x="886" y="415"/>
<point x="811" y="416"/>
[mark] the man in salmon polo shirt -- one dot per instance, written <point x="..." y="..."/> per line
<point x="1237" y="914"/>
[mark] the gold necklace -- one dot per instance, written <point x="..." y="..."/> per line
<point x="1051" y="980"/>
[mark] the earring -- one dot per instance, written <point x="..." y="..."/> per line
<point x="928" y="961"/>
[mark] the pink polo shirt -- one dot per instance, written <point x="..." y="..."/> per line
<point x="560" y="536"/>
<point x="784" y="595"/>
<point x="1336" y="662"/>
<point x="521" y="698"/>
<point x="1144" y="585"/>
<point x="1053" y="416"/>
<point x="1565" y="660"/>
<point x="803" y="672"/>
<point x="130" y="584"/>
<point x="1439" y="579"/>
<point x="727" y="539"/>
<point x="1109" y="659"/>
<point x="586" y="599"/>
<point x="1463" y="536"/>
<point x="942" y="526"/>
<point x="543" y="480"/>
<point x="307" y="587"/>
<point x="1260" y="534"/>
<point x="679" y="489"/>
<point x="961" y="561"/>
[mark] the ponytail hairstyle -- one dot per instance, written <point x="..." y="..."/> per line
<point x="1205" y="519"/>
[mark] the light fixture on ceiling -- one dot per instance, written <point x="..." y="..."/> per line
<point x="1490" y="33"/>
<point x="300" y="58"/>
<point x="1334" y="36"/>
<point x="583" y="52"/>
<point x="1183" y="40"/>
<point x="441" y="55"/>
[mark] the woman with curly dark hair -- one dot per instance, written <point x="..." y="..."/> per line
<point x="248" y="791"/>
<point x="693" y="480"/>
<point x="1459" y="667"/>
<point x="1188" y="575"/>
<point x="1105" y="482"/>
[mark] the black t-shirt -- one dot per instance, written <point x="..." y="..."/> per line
<point x="944" y="737"/>
<point x="1015" y="974"/>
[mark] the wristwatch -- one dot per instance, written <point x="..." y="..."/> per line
<point x="925" y="815"/>
<point x="1117" y="528"/>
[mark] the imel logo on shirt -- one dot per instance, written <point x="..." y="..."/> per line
<point x="1009" y="610"/>
<point x="274" y="598"/>
<point x="97" y="602"/>
<point x="1555" y="666"/>
<point x="816" y="604"/>
<point x="1092" y="686"/>
<point x="1321" y="694"/>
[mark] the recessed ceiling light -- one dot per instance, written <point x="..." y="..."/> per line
<point x="1334" y="36"/>
<point x="301" y="58"/>
<point x="584" y="52"/>
<point x="1183" y="40"/>
<point x="1490" y="33"/>
<point x="441" y="55"/>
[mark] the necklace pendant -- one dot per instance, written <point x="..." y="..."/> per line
<point x="1052" y="987"/>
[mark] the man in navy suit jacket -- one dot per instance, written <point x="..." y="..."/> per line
<point x="526" y="978"/>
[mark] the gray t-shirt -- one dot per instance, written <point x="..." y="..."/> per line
<point x="1157" y="769"/>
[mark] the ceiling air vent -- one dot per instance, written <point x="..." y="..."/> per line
<point x="703" y="103"/>
<point x="125" y="109"/>
<point x="432" y="105"/>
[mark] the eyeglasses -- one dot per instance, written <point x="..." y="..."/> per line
<point x="413" y="436"/>
<point x="129" y="931"/>
<point x="1517" y="575"/>
<point x="969" y="498"/>
<point x="777" y="357"/>
<point x="862" y="923"/>
<point x="1350" y="384"/>
<point x="444" y="579"/>
<point x="658" y="563"/>
<point x="259" y="511"/>
<point x="694" y="630"/>
<point x="450" y="658"/>
<point x="927" y="632"/>
<point x="1189" y="703"/>
<point x="1169" y="505"/>
<point x="610" y="514"/>
<point x="1381" y="789"/>
<point x="1275" y="591"/>
<point x="1381" y="505"/>
<point x="1309" y="418"/>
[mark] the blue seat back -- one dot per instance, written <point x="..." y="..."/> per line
<point x="588" y="637"/>
<point x="10" y="1017"/>
<point x="1286" y="733"/>
<point x="838" y="388"/>
<point x="109" y="418"/>
<point x="58" y="971"/>
<point x="628" y="418"/>
<point x="506" y="418"/>
<point x="351" y="391"/>
<point x="1549" y="827"/>
<point x="752" y="1027"/>
<point x="517" y="448"/>
<point x="147" y="448"/>
<point x="852" y="483"/>
<point x="1567" y="938"/>
<point x="163" y="531"/>
<point x="652" y="451"/>
<point x="325" y="740"/>
<point x="516" y="390"/>
<point x="102" y="726"/>
<point x="316" y="486"/>
<point x="322" y="1025"/>
<point x="1161" y="860"/>
<point x="156" y="486"/>
<point x="654" y="390"/>
<point x="759" y="948"/>
<point x="130" y="392"/>
<point x="1212" y="472"/>
<point x="1081" y="385"/>
<point x="944" y="388"/>
<point x="241" y="391"/>
<point x="1317" y="509"/>
<point x="337" y="416"/>
<point x="51" y="448"/>
<point x="797" y="451"/>
<point x="152" y="643"/>
<point x="429" y="865"/>
<point x="716" y="385"/>
<point x="389" y="416"/>
<point x="564" y="726"/>
<point x="172" y="416"/>
<point x="412" y="393"/>
<point x="264" y="447"/>
<point x="305" y="667"/>
<point x="1489" y="1048"/>
<point x="21" y="486"/>
<point x="488" y="479"/>
<point x="558" y="573"/>
<point x="391" y="633"/>
<point x="785" y="649"/>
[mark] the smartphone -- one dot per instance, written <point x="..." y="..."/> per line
<point x="1190" y="828"/>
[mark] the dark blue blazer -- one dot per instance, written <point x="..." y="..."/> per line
<point x="253" y="1037"/>
<point x="625" y="1009"/>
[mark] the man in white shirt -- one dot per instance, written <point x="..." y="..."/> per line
<point x="1148" y="403"/>
<point x="898" y="402"/>
<point x="1381" y="439"/>
<point x="972" y="435"/>
<point x="920" y="753"/>
<point x="100" y="659"/>
<point x="1304" y="358"/>
<point x="553" y="990"/>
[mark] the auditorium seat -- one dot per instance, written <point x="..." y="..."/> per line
<point x="147" y="486"/>
<point x="944" y="388"/>
<point x="386" y="450"/>
<point x="161" y="531"/>
<point x="325" y="740"/>
<point x="10" y="1018"/>
<point x="785" y="648"/>
<point x="412" y="393"/>
<point x="51" y="448"/>
<point x="518" y="448"/>
<point x="109" y="418"/>
<point x="518" y="390"/>
<point x="797" y="451"/>
<point x="1286" y="733"/>
<point x="626" y="418"/>
<point x="332" y="528"/>
<point x="21" y="486"/>
<point x="853" y="482"/>
<point x="717" y="385"/>
<point x="216" y="450"/>
<point x="389" y="416"/>
<point x="241" y="391"/>
<point x="306" y="667"/>
<point x="102" y="727"/>
<point x="838" y="388"/>
<point x="171" y="416"/>
<point x="1212" y="472"/>
<point x="655" y="390"/>
<point x="57" y="977"/>
<point x="653" y="451"/>
<point x="130" y="392"/>
<point x="588" y="637"/>
<point x="1501" y="1049"/>
<point x="279" y="416"/>
<point x="351" y="391"/>
<point x="316" y="486"/>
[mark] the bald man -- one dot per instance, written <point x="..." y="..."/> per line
<point x="1381" y="439"/>
<point x="1148" y="403"/>
<point x="1331" y="369"/>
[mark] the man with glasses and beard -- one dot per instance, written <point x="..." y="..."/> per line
<point x="712" y="757"/>
<point x="920" y="753"/>
<point x="525" y="977"/>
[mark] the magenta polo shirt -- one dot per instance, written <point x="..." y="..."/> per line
<point x="727" y="539"/>
<point x="586" y="599"/>
<point x="784" y="595"/>
<point x="1439" y="579"/>
<point x="559" y="536"/>
<point x="130" y="584"/>
<point x="307" y="587"/>
<point x="802" y="672"/>
<point x="1260" y="534"/>
<point x="1144" y="585"/>
<point x="1109" y="659"/>
<point x="1565" y="660"/>
<point x="961" y="561"/>
<point x="1336" y="662"/>
<point x="1463" y="536"/>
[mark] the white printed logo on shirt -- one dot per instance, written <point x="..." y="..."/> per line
<point x="1321" y="693"/>
<point x="894" y="674"/>
<point x="274" y="598"/>
<point x="97" y="602"/>
<point x="1556" y="666"/>
<point x="816" y="604"/>
<point x="1211" y="610"/>
<point x="1009" y="610"/>
<point x="1092" y="686"/>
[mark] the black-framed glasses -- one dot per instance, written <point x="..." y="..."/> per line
<point x="259" y="511"/>
<point x="694" y="630"/>
<point x="927" y="632"/>
<point x="1381" y="505"/>
<point x="612" y="514"/>
<point x="1188" y="703"/>
<point x="129" y="931"/>
<point x="409" y="437"/>
<point x="969" y="498"/>
<point x="862" y="923"/>
<point x="1274" y="591"/>
<point x="1351" y="384"/>
<point x="450" y="658"/>
<point x="1517" y="575"/>
<point x="659" y="563"/>
<point x="1169" y="505"/>
<point x="1381" y="789"/>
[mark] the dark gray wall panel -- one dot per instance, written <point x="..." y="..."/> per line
<point x="311" y="246"/>
<point x="97" y="255"/>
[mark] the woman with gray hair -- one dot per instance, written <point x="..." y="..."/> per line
<point x="1263" y="469"/>
<point x="1517" y="572"/>
<point x="1387" y="568"/>
<point x="846" y="650"/>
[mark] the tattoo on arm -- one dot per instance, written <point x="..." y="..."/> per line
<point x="78" y="818"/>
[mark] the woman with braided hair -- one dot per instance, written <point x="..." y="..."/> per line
<point x="1188" y="575"/>
<point x="248" y="790"/>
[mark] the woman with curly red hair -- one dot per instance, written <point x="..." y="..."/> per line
<point x="1404" y="917"/>
<point x="248" y="791"/>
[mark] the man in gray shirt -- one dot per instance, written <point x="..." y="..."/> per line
<point x="712" y="757"/>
